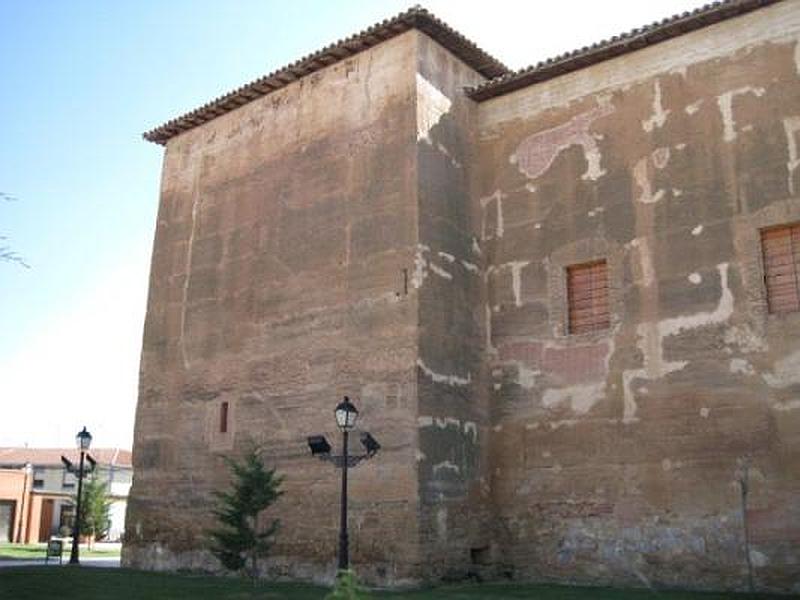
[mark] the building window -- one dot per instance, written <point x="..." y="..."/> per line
<point x="223" y="417"/>
<point x="780" y="247"/>
<point x="587" y="297"/>
<point x="38" y="479"/>
<point x="68" y="480"/>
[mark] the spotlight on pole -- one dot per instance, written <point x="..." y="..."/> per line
<point x="370" y="444"/>
<point x="346" y="415"/>
<point x="318" y="445"/>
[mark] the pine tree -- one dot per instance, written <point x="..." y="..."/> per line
<point x="239" y="541"/>
<point x="347" y="587"/>
<point x="95" y="508"/>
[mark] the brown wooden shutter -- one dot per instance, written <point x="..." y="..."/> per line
<point x="781" y="249"/>
<point x="587" y="294"/>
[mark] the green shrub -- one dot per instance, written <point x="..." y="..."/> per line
<point x="347" y="587"/>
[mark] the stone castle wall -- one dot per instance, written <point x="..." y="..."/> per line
<point x="615" y="454"/>
<point x="368" y="230"/>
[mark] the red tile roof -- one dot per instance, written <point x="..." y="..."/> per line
<point x="636" y="39"/>
<point x="414" y="18"/>
<point x="52" y="456"/>
<point x="500" y="79"/>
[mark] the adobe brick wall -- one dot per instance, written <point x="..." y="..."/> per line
<point x="615" y="454"/>
<point x="368" y="230"/>
<point x="277" y="286"/>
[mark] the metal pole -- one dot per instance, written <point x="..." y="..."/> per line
<point x="76" y="529"/>
<point x="343" y="549"/>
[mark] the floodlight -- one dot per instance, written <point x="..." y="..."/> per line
<point x="318" y="445"/>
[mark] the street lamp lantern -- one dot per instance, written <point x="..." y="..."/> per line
<point x="346" y="415"/>
<point x="84" y="439"/>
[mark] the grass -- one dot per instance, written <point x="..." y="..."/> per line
<point x="84" y="583"/>
<point x="37" y="551"/>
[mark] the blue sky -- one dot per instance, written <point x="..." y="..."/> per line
<point x="79" y="82"/>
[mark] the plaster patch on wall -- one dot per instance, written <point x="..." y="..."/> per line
<point x="526" y="377"/>
<point x="785" y="372"/>
<point x="476" y="248"/>
<point x="446" y="256"/>
<point x="537" y="152"/>
<point x="651" y="343"/>
<point x="704" y="412"/>
<point x="746" y="339"/>
<point x="792" y="127"/>
<point x="472" y="267"/>
<point x="648" y="273"/>
<point x="453" y="380"/>
<point x="420" y="266"/>
<point x="697" y="230"/>
<point x="469" y="428"/>
<point x="660" y="157"/>
<point x="490" y="349"/>
<point x="741" y="366"/>
<point x="787" y="406"/>
<point x="797" y="57"/>
<point x="187" y="280"/>
<point x="693" y="108"/>
<point x="659" y="116"/>
<point x="695" y="278"/>
<point x="432" y="105"/>
<point x="516" y="279"/>
<point x="677" y="193"/>
<point x="499" y="226"/>
<point x="758" y="559"/>
<point x="725" y="102"/>
<point x="446" y="465"/>
<point x="439" y="271"/>
<point x="642" y="178"/>
<point x="581" y="397"/>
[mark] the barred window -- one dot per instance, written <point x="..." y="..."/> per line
<point x="587" y="296"/>
<point x="780" y="248"/>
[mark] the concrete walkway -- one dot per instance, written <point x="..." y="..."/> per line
<point x="107" y="562"/>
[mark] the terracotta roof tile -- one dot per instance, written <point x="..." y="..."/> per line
<point x="52" y="456"/>
<point x="635" y="39"/>
<point x="414" y="18"/>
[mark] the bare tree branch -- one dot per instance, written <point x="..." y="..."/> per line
<point x="7" y="254"/>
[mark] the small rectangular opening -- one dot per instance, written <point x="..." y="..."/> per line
<point x="223" y="417"/>
<point x="480" y="556"/>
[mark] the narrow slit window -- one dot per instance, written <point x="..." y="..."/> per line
<point x="587" y="297"/>
<point x="223" y="417"/>
<point x="780" y="247"/>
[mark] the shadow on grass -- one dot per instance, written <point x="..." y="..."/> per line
<point x="85" y="583"/>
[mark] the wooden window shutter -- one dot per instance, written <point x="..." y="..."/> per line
<point x="780" y="247"/>
<point x="587" y="295"/>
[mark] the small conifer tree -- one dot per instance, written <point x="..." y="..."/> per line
<point x="240" y="541"/>
<point x="95" y="509"/>
<point x="347" y="587"/>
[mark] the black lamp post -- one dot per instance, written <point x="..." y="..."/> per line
<point x="84" y="440"/>
<point x="346" y="417"/>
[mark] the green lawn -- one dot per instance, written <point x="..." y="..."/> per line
<point x="36" y="551"/>
<point x="70" y="583"/>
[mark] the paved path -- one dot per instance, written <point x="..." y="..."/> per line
<point x="104" y="562"/>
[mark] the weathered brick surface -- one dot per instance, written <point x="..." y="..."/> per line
<point x="370" y="231"/>
<point x="615" y="455"/>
